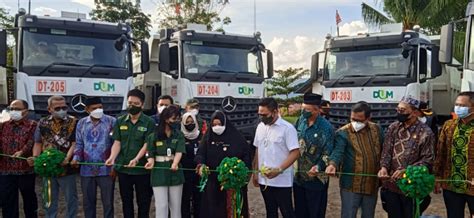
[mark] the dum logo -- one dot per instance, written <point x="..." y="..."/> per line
<point x="383" y="94"/>
<point x="245" y="90"/>
<point x="103" y="86"/>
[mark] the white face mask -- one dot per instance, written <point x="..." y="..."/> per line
<point x="357" y="125"/>
<point x="161" y="108"/>
<point x="15" y="115"/>
<point x="218" y="129"/>
<point x="194" y="112"/>
<point x="422" y="119"/>
<point x="97" y="113"/>
<point x="61" y="114"/>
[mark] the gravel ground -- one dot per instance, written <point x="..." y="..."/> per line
<point x="257" y="207"/>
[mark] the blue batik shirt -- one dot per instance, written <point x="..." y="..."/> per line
<point x="93" y="144"/>
<point x="316" y="144"/>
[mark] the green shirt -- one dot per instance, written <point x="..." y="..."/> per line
<point x="132" y="138"/>
<point x="175" y="143"/>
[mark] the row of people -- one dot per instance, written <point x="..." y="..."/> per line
<point x="295" y="158"/>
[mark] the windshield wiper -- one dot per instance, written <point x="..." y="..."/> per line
<point x="60" y="63"/>
<point x="99" y="65"/>
<point x="349" y="76"/>
<point x="216" y="71"/>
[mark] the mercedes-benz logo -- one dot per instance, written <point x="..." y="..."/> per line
<point x="229" y="104"/>
<point x="77" y="103"/>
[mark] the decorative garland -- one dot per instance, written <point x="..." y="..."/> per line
<point x="48" y="165"/>
<point x="417" y="183"/>
<point x="204" y="177"/>
<point x="233" y="174"/>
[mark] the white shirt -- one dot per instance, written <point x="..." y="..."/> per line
<point x="274" y="144"/>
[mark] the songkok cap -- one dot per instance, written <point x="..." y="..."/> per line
<point x="312" y="99"/>
<point x="93" y="100"/>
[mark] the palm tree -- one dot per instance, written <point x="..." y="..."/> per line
<point x="429" y="14"/>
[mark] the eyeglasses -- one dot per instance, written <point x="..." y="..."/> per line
<point x="64" y="108"/>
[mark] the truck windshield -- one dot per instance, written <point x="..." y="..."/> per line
<point x="389" y="61"/>
<point x="200" y="58"/>
<point x="43" y="47"/>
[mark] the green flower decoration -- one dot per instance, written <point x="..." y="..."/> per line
<point x="417" y="183"/>
<point x="48" y="164"/>
<point x="233" y="174"/>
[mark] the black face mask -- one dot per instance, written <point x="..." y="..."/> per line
<point x="267" y="120"/>
<point x="190" y="127"/>
<point x="134" y="110"/>
<point x="402" y="117"/>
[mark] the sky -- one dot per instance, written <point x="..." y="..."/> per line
<point x="292" y="29"/>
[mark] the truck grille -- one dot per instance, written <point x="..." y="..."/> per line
<point x="244" y="116"/>
<point x="112" y="105"/>
<point x="383" y="114"/>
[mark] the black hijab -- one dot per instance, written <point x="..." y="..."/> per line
<point x="230" y="134"/>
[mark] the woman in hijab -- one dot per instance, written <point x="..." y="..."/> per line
<point x="224" y="140"/>
<point x="191" y="194"/>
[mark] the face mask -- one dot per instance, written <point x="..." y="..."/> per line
<point x="61" y="114"/>
<point x="266" y="120"/>
<point x="161" y="108"/>
<point x="194" y="112"/>
<point x="462" y="112"/>
<point x="134" y="110"/>
<point x="218" y="129"/>
<point x="422" y="119"/>
<point x="175" y="125"/>
<point x="15" y="115"/>
<point x="402" y="117"/>
<point x="190" y="127"/>
<point x="307" y="114"/>
<point x="357" y="125"/>
<point x="97" y="113"/>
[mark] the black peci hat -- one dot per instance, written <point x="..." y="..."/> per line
<point x="93" y="100"/>
<point x="312" y="99"/>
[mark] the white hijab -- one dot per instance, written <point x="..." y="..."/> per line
<point x="191" y="135"/>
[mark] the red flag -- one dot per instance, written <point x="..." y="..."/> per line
<point x="177" y="8"/>
<point x="338" y="18"/>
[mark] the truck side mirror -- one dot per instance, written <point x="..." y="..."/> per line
<point x="3" y="48"/>
<point x="314" y="67"/>
<point x="446" y="44"/>
<point x="435" y="64"/>
<point x="269" y="64"/>
<point x="145" y="57"/>
<point x="164" y="58"/>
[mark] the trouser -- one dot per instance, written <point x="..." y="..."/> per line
<point x="89" y="192"/>
<point x="9" y="186"/>
<point x="455" y="203"/>
<point x="168" y="198"/>
<point x="398" y="205"/>
<point x="141" y="185"/>
<point x="277" y="197"/>
<point x="351" y="202"/>
<point x="67" y="184"/>
<point x="191" y="195"/>
<point x="310" y="203"/>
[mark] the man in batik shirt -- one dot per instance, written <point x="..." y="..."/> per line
<point x="455" y="158"/>
<point x="407" y="142"/>
<point x="316" y="137"/>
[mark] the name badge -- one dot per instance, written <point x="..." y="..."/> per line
<point x="142" y="129"/>
<point x="159" y="143"/>
<point x="124" y="127"/>
<point x="174" y="141"/>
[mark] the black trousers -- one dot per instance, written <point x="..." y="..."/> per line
<point x="141" y="185"/>
<point x="9" y="187"/>
<point x="191" y="195"/>
<point x="398" y="205"/>
<point x="276" y="197"/>
<point x="455" y="203"/>
<point x="310" y="203"/>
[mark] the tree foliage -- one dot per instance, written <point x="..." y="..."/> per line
<point x="283" y="82"/>
<point x="429" y="14"/>
<point x="6" y="21"/>
<point x="177" y="13"/>
<point x="120" y="11"/>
